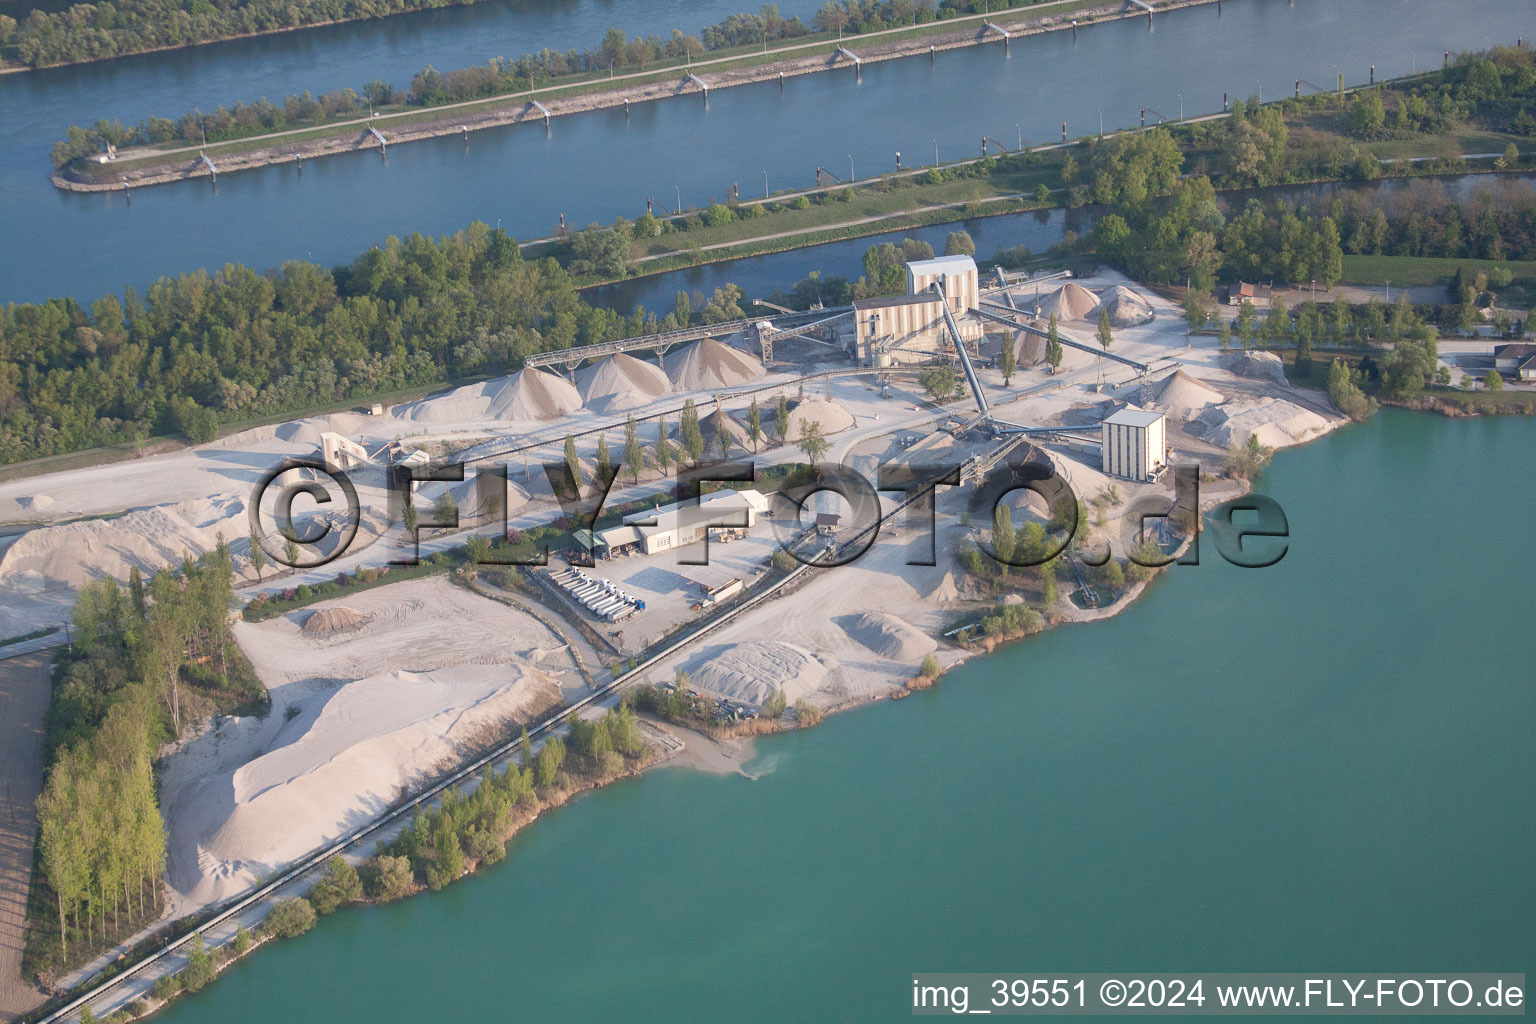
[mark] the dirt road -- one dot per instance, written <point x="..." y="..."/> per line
<point x="23" y="701"/>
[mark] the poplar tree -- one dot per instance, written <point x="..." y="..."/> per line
<point x="634" y="460"/>
<point x="1053" y="349"/>
<point x="754" y="423"/>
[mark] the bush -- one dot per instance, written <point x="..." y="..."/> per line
<point x="290" y="918"/>
<point x="929" y="669"/>
<point x="200" y="969"/>
<point x="387" y="878"/>
<point x="802" y="203"/>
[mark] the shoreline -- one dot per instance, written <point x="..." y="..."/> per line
<point x="519" y="108"/>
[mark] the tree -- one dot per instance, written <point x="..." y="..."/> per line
<point x="478" y="548"/>
<point x="290" y="918"/>
<point x="634" y="459"/>
<point x="573" y="465"/>
<point x="781" y="419"/>
<point x="258" y="557"/>
<point x="689" y="432"/>
<point x="940" y="383"/>
<point x="1346" y="395"/>
<point x="551" y="756"/>
<point x="1105" y="333"/>
<point x="929" y="668"/>
<point x="1196" y="309"/>
<point x="775" y="705"/>
<point x="446" y="509"/>
<point x="754" y="423"/>
<point x="663" y="446"/>
<point x="959" y="243"/>
<point x="1003" y="537"/>
<point x="389" y="878"/>
<point x="1053" y="349"/>
<point x="1494" y="381"/>
<point x="200" y="969"/>
<point x="812" y="442"/>
<point x="1007" y="359"/>
<point x="604" y="459"/>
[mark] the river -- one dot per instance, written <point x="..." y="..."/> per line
<point x="85" y="245"/>
<point x="1324" y="765"/>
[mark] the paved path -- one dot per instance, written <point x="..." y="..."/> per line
<point x="23" y="701"/>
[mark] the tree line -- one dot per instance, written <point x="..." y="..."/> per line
<point x="143" y="660"/>
<point x="431" y="87"/>
<point x="202" y="349"/>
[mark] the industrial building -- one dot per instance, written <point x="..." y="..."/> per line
<point x="1135" y="444"/>
<point x="683" y="523"/>
<point x="910" y="328"/>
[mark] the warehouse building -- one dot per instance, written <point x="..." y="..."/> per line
<point x="1134" y="444"/>
<point x="900" y="329"/>
<point x="683" y="523"/>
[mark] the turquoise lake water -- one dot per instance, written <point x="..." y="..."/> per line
<point x="1322" y="766"/>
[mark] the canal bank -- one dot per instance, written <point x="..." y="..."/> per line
<point x="604" y="165"/>
<point x="1249" y="769"/>
<point x="139" y="168"/>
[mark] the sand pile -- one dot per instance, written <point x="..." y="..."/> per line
<point x="622" y="382"/>
<point x="150" y="538"/>
<point x="1274" y="421"/>
<point x="1260" y="365"/>
<point x="336" y="619"/>
<point x="1181" y="396"/>
<point x="373" y="737"/>
<point x="1069" y="302"/>
<point x="36" y="503"/>
<point x="751" y="671"/>
<point x="308" y="431"/>
<point x="946" y="592"/>
<point x="890" y="636"/>
<point x="461" y="405"/>
<point x="829" y="414"/>
<point x="532" y="394"/>
<point x="707" y="365"/>
<point x="1126" y="307"/>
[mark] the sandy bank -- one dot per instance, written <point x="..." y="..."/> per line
<point x="358" y="718"/>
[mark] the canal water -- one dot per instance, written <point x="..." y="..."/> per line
<point x="1321" y="766"/>
<point x="759" y="276"/>
<point x="522" y="178"/>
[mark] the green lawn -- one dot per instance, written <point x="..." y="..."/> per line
<point x="1420" y="271"/>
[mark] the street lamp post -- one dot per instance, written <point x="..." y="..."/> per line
<point x="679" y="190"/>
<point x="765" y="184"/>
<point x="935" y="152"/>
<point x="1181" y="106"/>
<point x="851" y="177"/>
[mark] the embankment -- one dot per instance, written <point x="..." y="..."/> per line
<point x="141" y="168"/>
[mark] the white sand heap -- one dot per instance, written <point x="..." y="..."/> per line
<point x="1126" y="307"/>
<point x="372" y="738"/>
<point x="1069" y="302"/>
<point x="946" y="592"/>
<point x="622" y="382"/>
<point x="308" y="431"/>
<point x="336" y="619"/>
<point x="751" y="671"/>
<point x="832" y="417"/>
<point x="1260" y="365"/>
<point x="708" y="364"/>
<point x="532" y="394"/>
<point x="36" y="503"/>
<point x="528" y="395"/>
<point x="890" y="636"/>
<point x="150" y="538"/>
<point x="1181" y="396"/>
<point x="1274" y="421"/>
